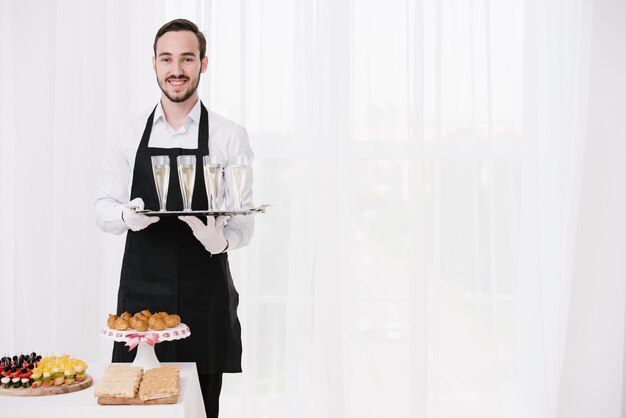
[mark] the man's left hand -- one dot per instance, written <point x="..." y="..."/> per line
<point x="210" y="235"/>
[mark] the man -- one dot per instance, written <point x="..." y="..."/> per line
<point x="179" y="265"/>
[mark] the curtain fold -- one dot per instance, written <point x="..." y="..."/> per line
<point x="592" y="375"/>
<point x="557" y="63"/>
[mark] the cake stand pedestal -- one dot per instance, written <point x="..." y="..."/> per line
<point x="145" y="341"/>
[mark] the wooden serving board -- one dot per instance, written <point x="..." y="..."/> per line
<point x="50" y="390"/>
<point x="137" y="401"/>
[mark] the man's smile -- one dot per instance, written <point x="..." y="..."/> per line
<point x="177" y="82"/>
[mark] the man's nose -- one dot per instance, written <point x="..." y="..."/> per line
<point x="176" y="69"/>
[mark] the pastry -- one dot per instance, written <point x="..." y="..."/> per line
<point x="172" y="320"/>
<point x="143" y="320"/>
<point x="121" y="324"/>
<point x="158" y="324"/>
<point x="139" y="324"/>
<point x="153" y="318"/>
<point x="111" y="321"/>
<point x="141" y="316"/>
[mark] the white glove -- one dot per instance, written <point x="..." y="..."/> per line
<point x="136" y="221"/>
<point x="210" y="235"/>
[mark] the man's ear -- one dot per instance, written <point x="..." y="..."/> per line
<point x="205" y="64"/>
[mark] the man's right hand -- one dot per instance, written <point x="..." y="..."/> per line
<point x="136" y="221"/>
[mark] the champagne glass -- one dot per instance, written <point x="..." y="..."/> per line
<point x="238" y="170"/>
<point x="186" y="178"/>
<point x="161" y="172"/>
<point x="212" y="179"/>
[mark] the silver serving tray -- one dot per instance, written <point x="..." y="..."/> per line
<point x="148" y="212"/>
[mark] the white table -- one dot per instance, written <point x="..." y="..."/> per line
<point x="84" y="405"/>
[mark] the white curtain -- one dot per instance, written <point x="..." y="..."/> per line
<point x="594" y="347"/>
<point x="425" y="161"/>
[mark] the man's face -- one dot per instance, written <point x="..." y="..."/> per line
<point x="178" y="66"/>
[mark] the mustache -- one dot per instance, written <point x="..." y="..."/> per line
<point x="180" y="77"/>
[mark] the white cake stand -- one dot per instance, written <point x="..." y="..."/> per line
<point x="146" y="357"/>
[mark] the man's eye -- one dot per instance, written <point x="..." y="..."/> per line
<point x="166" y="60"/>
<point x="188" y="59"/>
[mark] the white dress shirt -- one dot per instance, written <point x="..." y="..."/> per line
<point x="226" y="141"/>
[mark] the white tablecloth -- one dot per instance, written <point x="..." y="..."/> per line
<point x="84" y="405"/>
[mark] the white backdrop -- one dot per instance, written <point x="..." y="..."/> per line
<point x="448" y="184"/>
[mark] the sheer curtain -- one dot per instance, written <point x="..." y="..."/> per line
<point x="424" y="160"/>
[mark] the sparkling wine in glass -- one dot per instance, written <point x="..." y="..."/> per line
<point x="212" y="179"/>
<point x="238" y="171"/>
<point x="186" y="178"/>
<point x="161" y="172"/>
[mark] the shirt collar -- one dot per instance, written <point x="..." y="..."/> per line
<point x="194" y="114"/>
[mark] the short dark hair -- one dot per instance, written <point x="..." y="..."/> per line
<point x="182" y="25"/>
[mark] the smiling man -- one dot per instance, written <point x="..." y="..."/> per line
<point x="178" y="63"/>
<point x="179" y="264"/>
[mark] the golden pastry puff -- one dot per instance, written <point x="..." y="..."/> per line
<point x="140" y="316"/>
<point x="111" y="321"/>
<point x="126" y="316"/>
<point x="139" y="324"/>
<point x="153" y="318"/>
<point x="142" y="326"/>
<point x="121" y="324"/>
<point x="158" y="324"/>
<point x="172" y="320"/>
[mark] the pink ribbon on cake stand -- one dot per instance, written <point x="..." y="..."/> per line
<point x="150" y="338"/>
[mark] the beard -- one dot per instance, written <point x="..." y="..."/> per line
<point x="186" y="95"/>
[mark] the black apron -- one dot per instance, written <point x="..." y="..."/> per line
<point x="165" y="268"/>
